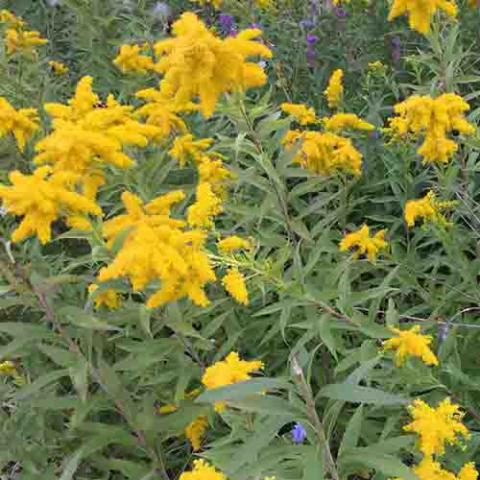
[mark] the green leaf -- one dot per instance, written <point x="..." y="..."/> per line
<point x="352" y="432"/>
<point x="267" y="405"/>
<point x="78" y="317"/>
<point x="387" y="464"/>
<point x="72" y="465"/>
<point x="356" y="394"/>
<point x="241" y="389"/>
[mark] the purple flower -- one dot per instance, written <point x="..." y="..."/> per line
<point x="311" y="41"/>
<point x="396" y="44"/>
<point x="306" y="24"/>
<point x="227" y="25"/>
<point x="339" y="12"/>
<point x="298" y="433"/>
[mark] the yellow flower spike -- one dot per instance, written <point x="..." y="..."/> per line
<point x="8" y="368"/>
<point x="186" y="147"/>
<point x="197" y="64"/>
<point x="195" y="431"/>
<point x="22" y="123"/>
<point x="109" y="298"/>
<point x="202" y="471"/>
<point x="434" y="119"/>
<point x="207" y="206"/>
<point x="22" y="41"/>
<point x="233" y="243"/>
<point x="234" y="283"/>
<point x="410" y="343"/>
<point x="429" y="209"/>
<point x="41" y="199"/>
<point x="429" y="469"/>
<point x="324" y="153"/>
<point x="58" y="68"/>
<point x="129" y="59"/>
<point x="8" y="17"/>
<point x="334" y="90"/>
<point x="363" y="243"/>
<point x="421" y="12"/>
<point x="89" y="135"/>
<point x="303" y="114"/>
<point x="228" y="371"/>
<point x="436" y="426"/>
<point x="159" y="248"/>
<point x="342" y="121"/>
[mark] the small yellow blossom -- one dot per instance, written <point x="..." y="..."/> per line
<point x="160" y="249"/>
<point x="303" y="114"/>
<point x="334" y="90"/>
<point x="22" y="123"/>
<point x="421" y="12"/>
<point x="186" y="147"/>
<point x="324" y="153"/>
<point x="129" y="59"/>
<point x="343" y="121"/>
<point x="234" y="284"/>
<point x="162" y="112"/>
<point x="228" y="371"/>
<point x="233" y="243"/>
<point x="8" y="368"/>
<point x="110" y="298"/>
<point x="364" y="243"/>
<point x="427" y="208"/>
<point x="207" y="206"/>
<point x="202" y="471"/>
<point x="376" y="67"/>
<point x="436" y="426"/>
<point x="195" y="431"/>
<point x="87" y="136"/>
<point x="11" y="19"/>
<point x="41" y="199"/>
<point x="58" y="68"/>
<point x="429" y="469"/>
<point x="22" y="41"/>
<point x="197" y="64"/>
<point x="433" y="118"/>
<point x="410" y="343"/>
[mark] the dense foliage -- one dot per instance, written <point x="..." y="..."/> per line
<point x="239" y="239"/>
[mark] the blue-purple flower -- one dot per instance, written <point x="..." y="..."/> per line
<point x="298" y="433"/>
<point x="228" y="27"/>
<point x="311" y="41"/>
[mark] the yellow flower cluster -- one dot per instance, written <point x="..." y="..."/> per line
<point x="130" y="59"/>
<point x="233" y="243"/>
<point x="159" y="248"/>
<point x="343" y="121"/>
<point x="109" y="297"/>
<point x="202" y="471"/>
<point x="87" y="136"/>
<point x="9" y="369"/>
<point x="364" y="243"/>
<point x="42" y="198"/>
<point x="334" y="90"/>
<point x="420" y="12"/>
<point x="327" y="152"/>
<point x="195" y="430"/>
<point x="196" y="64"/>
<point x="437" y="427"/>
<point x="22" y="123"/>
<point x="17" y="39"/>
<point x="324" y="153"/>
<point x="303" y="114"/>
<point x="58" y="68"/>
<point x="428" y="208"/>
<point x="228" y="371"/>
<point x="410" y="343"/>
<point x="433" y="118"/>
